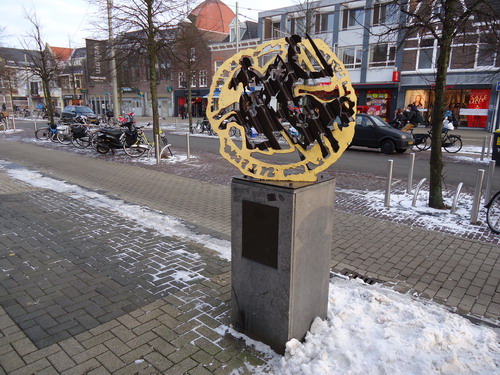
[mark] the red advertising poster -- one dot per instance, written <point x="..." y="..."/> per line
<point x="479" y="99"/>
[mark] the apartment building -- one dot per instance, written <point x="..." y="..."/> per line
<point x="386" y="77"/>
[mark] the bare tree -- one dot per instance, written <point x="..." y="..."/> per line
<point x="145" y="26"/>
<point x="446" y="21"/>
<point x="43" y="63"/>
<point x="190" y="55"/>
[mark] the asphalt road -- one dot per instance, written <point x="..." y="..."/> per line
<point x="374" y="162"/>
<point x="361" y="160"/>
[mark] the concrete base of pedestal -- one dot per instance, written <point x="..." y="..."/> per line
<point x="281" y="244"/>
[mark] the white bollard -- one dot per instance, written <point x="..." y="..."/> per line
<point x="188" y="148"/>
<point x="477" y="197"/>
<point x="489" y="182"/>
<point x="387" y="201"/>
<point x="488" y="147"/>
<point x="410" y="173"/>
<point x="35" y="127"/>
<point x="417" y="190"/>
<point x="484" y="147"/>
<point x="455" y="198"/>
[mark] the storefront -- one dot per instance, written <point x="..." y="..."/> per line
<point x="198" y="103"/>
<point x="379" y="100"/>
<point x="469" y="105"/>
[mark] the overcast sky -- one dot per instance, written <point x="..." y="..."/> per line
<point x="68" y="22"/>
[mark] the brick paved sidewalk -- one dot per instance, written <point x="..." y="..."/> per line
<point x="460" y="273"/>
<point x="88" y="292"/>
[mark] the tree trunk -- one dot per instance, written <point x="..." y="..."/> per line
<point x="48" y="100"/>
<point x="153" y="62"/>
<point x="190" y="79"/>
<point x="436" y="161"/>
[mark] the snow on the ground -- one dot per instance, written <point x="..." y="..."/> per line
<point x="369" y="329"/>
<point x="401" y="207"/>
<point x="145" y="217"/>
<point x="373" y="330"/>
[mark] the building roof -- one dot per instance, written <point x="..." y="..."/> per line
<point x="15" y="56"/>
<point x="213" y="15"/>
<point x="61" y="53"/>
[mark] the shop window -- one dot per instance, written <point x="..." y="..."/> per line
<point x="321" y="24"/>
<point x="383" y="54"/>
<point x="353" y="18"/>
<point x="203" y="78"/>
<point x="182" y="80"/>
<point x="350" y="56"/>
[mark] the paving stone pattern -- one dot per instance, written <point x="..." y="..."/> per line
<point x="69" y="267"/>
<point x="76" y="299"/>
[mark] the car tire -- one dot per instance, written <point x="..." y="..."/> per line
<point x="401" y="150"/>
<point x="387" y="146"/>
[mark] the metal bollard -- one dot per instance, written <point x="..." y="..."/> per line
<point x="35" y="127"/>
<point x="489" y="146"/>
<point x="477" y="197"/>
<point x="455" y="198"/>
<point x="485" y="139"/>
<point x="387" y="200"/>
<point x="188" y="148"/>
<point x="489" y="182"/>
<point x="410" y="173"/>
<point x="417" y="190"/>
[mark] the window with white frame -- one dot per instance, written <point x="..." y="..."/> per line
<point x="203" y="78"/>
<point x="321" y="23"/>
<point x="486" y="56"/>
<point x="218" y="64"/>
<point x="182" y="80"/>
<point x="192" y="54"/>
<point x="382" y="54"/>
<point x="297" y="25"/>
<point x="353" y="18"/>
<point x="350" y="56"/>
<point x="194" y="81"/>
<point x="78" y="82"/>
<point x="427" y="53"/>
<point x="384" y="14"/>
<point x="276" y="27"/>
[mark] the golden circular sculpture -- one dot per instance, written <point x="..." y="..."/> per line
<point x="287" y="96"/>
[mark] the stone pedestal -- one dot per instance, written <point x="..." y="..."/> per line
<point x="281" y="244"/>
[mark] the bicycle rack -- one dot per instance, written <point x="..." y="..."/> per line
<point x="455" y="198"/>
<point x="417" y="189"/>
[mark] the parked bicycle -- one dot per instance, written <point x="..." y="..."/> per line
<point x="3" y="122"/>
<point x="143" y="145"/>
<point x="203" y="125"/>
<point x="450" y="142"/>
<point x="45" y="133"/>
<point x="493" y="213"/>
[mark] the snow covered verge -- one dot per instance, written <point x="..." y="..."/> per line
<point x="373" y="330"/>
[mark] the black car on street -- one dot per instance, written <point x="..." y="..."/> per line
<point x="71" y="112"/>
<point x="372" y="131"/>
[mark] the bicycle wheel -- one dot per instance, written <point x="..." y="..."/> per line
<point x="3" y="126"/>
<point x="422" y="142"/>
<point x="493" y="213"/>
<point x="81" y="142"/>
<point x="452" y="143"/>
<point x="135" y="150"/>
<point x="64" y="138"/>
<point x="42" y="134"/>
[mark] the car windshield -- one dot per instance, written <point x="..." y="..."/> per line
<point x="84" y="110"/>
<point x="377" y="120"/>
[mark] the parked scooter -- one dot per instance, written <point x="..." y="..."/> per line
<point x="110" y="139"/>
